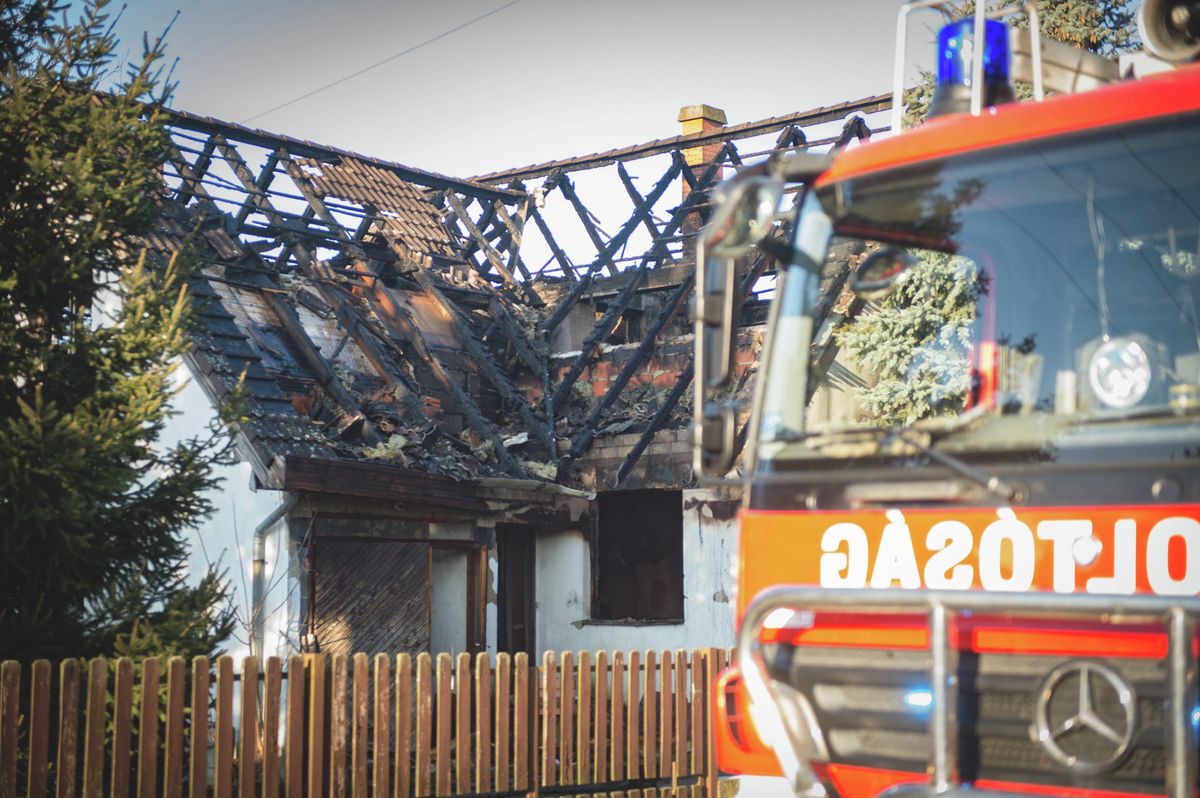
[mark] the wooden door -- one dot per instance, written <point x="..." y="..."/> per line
<point x="370" y="596"/>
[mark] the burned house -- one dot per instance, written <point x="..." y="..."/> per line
<point x="468" y="400"/>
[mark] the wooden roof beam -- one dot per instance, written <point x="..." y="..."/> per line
<point x="411" y="332"/>
<point x="271" y="141"/>
<point x="607" y="322"/>
<point x="815" y="116"/>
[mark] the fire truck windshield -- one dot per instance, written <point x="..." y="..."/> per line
<point x="1046" y="295"/>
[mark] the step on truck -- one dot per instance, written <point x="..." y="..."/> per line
<point x="969" y="553"/>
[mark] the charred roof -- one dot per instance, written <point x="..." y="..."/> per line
<point x="465" y="329"/>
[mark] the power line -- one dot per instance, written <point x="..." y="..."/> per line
<point x="366" y="69"/>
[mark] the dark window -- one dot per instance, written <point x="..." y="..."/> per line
<point x="639" y="557"/>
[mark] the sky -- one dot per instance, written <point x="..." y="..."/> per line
<point x="517" y="82"/>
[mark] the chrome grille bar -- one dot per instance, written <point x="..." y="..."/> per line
<point x="792" y="734"/>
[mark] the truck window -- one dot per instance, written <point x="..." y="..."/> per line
<point x="1055" y="301"/>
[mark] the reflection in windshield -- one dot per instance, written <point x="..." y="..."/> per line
<point x="1057" y="282"/>
<point x="912" y="348"/>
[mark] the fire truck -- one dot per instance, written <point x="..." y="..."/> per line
<point x="969" y="558"/>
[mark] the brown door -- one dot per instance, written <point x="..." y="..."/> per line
<point x="370" y="596"/>
<point x="515" y="547"/>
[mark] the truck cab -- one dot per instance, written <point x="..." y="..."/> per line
<point x="969" y="550"/>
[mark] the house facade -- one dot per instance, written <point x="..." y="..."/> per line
<point x="468" y="400"/>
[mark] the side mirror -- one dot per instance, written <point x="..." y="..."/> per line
<point x="881" y="272"/>
<point x="712" y="426"/>
<point x="745" y="211"/>
<point x="714" y="318"/>
<point x="714" y="431"/>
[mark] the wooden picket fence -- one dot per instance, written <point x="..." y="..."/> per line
<point x="622" y="723"/>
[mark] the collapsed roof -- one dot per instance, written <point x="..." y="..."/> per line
<point x="466" y="329"/>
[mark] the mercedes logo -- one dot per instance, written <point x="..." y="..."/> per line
<point x="1086" y="716"/>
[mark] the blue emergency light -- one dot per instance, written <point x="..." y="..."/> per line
<point x="955" y="59"/>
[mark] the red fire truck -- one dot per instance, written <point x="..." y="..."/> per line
<point x="969" y="557"/>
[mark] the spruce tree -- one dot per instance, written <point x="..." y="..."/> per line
<point x="915" y="342"/>
<point x="92" y="507"/>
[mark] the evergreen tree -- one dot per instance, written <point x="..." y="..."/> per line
<point x="92" y="511"/>
<point x="915" y="342"/>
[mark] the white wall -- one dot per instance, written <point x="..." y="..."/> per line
<point x="564" y="600"/>
<point x="448" y="615"/>
<point x="226" y="539"/>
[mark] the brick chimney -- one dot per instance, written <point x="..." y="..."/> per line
<point x="699" y="119"/>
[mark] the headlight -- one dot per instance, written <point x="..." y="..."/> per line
<point x="1120" y="373"/>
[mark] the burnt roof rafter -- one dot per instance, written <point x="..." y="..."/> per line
<point x="494" y="260"/>
<point x="638" y="200"/>
<point x="815" y="116"/>
<point x="604" y="326"/>
<point x="514" y="230"/>
<point x="299" y="147"/>
<point x="401" y="274"/>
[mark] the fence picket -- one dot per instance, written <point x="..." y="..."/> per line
<point x="522" y="722"/>
<point x="633" y="768"/>
<point x="483" y="724"/>
<point x="424" y="724"/>
<point x="714" y="662"/>
<point x="338" y="726"/>
<point x="666" y="713"/>
<point x="316" y="725"/>
<point x="599" y="772"/>
<point x="382" y="734"/>
<point x="535" y="730"/>
<point x="121" y="727"/>
<point x="616" y="717"/>
<point x="223" y="755"/>
<point x="548" y="698"/>
<point x="681" y="723"/>
<point x="173" y="734"/>
<point x="39" y="729"/>
<point x="462" y="723"/>
<point x="272" y="687"/>
<point x="566" y="719"/>
<point x="698" y="713"/>
<point x="583" y="721"/>
<point x="293" y="779"/>
<point x="649" y="717"/>
<point x="443" y="706"/>
<point x="67" y="761"/>
<point x="248" y="729"/>
<point x="198" y="770"/>
<point x="10" y="709"/>
<point x="404" y="707"/>
<point x="94" y="720"/>
<point x="504" y="712"/>
<point x="361" y="713"/>
<point x="147" y="771"/>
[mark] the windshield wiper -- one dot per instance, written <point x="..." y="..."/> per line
<point x="907" y="436"/>
<point x="991" y="482"/>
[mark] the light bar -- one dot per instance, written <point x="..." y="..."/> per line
<point x="955" y="54"/>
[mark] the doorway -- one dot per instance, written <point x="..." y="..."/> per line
<point x="516" y="592"/>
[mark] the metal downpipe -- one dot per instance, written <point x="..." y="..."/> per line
<point x="258" y="587"/>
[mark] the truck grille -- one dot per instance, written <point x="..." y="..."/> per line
<point x="863" y="700"/>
